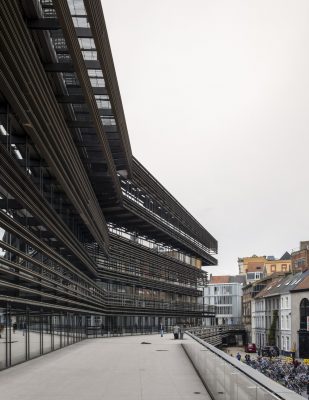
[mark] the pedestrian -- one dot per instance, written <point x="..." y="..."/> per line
<point x="24" y="328"/>
<point x="14" y="327"/>
<point x="161" y="330"/>
<point x="176" y="331"/>
<point x="238" y="356"/>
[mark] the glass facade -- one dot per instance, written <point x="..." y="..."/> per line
<point x="26" y="333"/>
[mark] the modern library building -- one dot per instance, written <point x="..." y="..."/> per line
<point x="91" y="244"/>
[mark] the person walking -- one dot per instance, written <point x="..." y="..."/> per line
<point x="24" y="328"/>
<point x="161" y="330"/>
<point x="176" y="331"/>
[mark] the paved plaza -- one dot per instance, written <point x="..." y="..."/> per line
<point x="120" y="368"/>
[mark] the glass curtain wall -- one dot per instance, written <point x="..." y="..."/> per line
<point x="26" y="334"/>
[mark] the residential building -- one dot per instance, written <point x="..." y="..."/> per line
<point x="256" y="267"/>
<point x="252" y="267"/>
<point x="274" y="316"/>
<point x="250" y="291"/>
<point x="300" y="316"/>
<point x="225" y="293"/>
<point x="273" y="265"/>
<point x="300" y="257"/>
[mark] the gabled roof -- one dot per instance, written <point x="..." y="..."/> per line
<point x="286" y="256"/>
<point x="285" y="284"/>
<point x="302" y="283"/>
<point x="270" y="289"/>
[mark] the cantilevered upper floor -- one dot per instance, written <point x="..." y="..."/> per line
<point x="68" y="133"/>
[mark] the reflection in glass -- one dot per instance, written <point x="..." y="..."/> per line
<point x="81" y="22"/>
<point x="89" y="55"/>
<point x="18" y="337"/>
<point x="77" y="7"/>
<point x="86" y="43"/>
<point x="35" y="336"/>
<point x="3" y="338"/>
<point x="47" y="347"/>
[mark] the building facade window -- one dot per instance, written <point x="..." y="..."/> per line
<point x="304" y="313"/>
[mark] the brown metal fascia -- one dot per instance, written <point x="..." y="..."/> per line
<point x="45" y="125"/>
<point x="100" y="36"/>
<point x="23" y="189"/>
<point x="42" y="266"/>
<point x="68" y="29"/>
<point x="29" y="276"/>
<point x="150" y="254"/>
<point x="142" y="177"/>
<point x="143" y="213"/>
<point x="10" y="225"/>
<point x="40" y="293"/>
<point x="41" y="304"/>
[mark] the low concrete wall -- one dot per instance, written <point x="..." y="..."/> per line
<point x="226" y="378"/>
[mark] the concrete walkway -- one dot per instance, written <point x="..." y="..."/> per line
<point x="120" y="368"/>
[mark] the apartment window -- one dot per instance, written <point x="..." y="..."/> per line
<point x="258" y="275"/>
<point x="286" y="302"/>
<point x="304" y="313"/>
<point x="287" y="322"/>
<point x="281" y="321"/>
<point x="282" y="342"/>
<point x="287" y="343"/>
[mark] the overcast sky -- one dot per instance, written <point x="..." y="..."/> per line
<point x="216" y="98"/>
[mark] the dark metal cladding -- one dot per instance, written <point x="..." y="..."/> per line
<point x="91" y="243"/>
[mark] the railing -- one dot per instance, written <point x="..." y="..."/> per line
<point x="226" y="378"/>
<point x="207" y="331"/>
<point x="215" y="334"/>
<point x="125" y="300"/>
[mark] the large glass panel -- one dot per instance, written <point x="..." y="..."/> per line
<point x="97" y="82"/>
<point x="47" y="333"/>
<point x="89" y="55"/>
<point x="108" y="121"/>
<point x="18" y="339"/>
<point x="81" y="22"/>
<point x="77" y="7"/>
<point x="3" y="338"/>
<point x="35" y="336"/>
<point x="57" y="331"/>
<point x="86" y="43"/>
<point x="103" y="101"/>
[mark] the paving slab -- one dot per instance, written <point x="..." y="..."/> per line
<point x="120" y="368"/>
